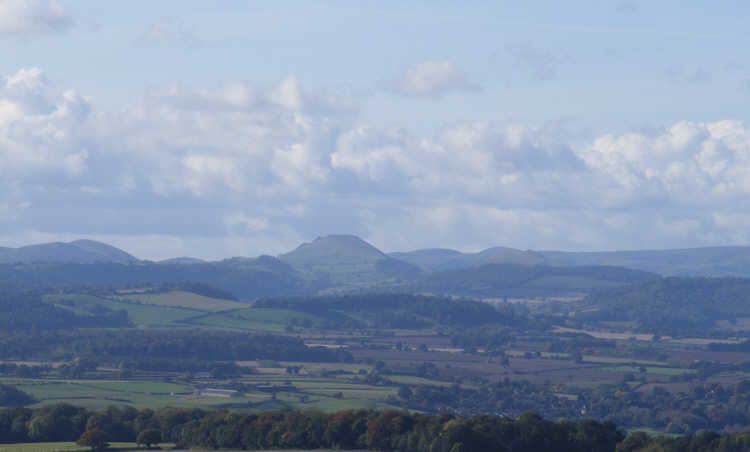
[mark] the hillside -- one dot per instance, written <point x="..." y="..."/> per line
<point x="445" y="259"/>
<point x="709" y="261"/>
<point x="79" y="252"/>
<point x="243" y="278"/>
<point x="347" y="259"/>
<point x="673" y="305"/>
<point x="348" y="264"/>
<point x="513" y="280"/>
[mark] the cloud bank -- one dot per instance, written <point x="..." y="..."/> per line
<point x="32" y="17"/>
<point x="249" y="168"/>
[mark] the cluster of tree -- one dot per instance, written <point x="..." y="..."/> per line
<point x="671" y="306"/>
<point x="391" y="431"/>
<point x="63" y="422"/>
<point x="509" y="398"/>
<point x="705" y="406"/>
<point x="12" y="396"/>
<point x="400" y="311"/>
<point x="115" y="345"/>
<point x="396" y="431"/>
<point x="705" y="441"/>
<point x="27" y="310"/>
<point x="353" y="429"/>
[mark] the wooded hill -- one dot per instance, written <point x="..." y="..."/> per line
<point x="334" y="264"/>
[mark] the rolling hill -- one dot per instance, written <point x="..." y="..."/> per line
<point x="514" y="280"/>
<point x="348" y="264"/>
<point x="446" y="259"/>
<point x="79" y="252"/>
<point x="709" y="261"/>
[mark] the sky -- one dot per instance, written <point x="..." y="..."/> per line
<point x="240" y="128"/>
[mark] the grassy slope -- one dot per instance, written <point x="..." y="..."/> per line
<point x="256" y="319"/>
<point x="140" y="314"/>
<point x="181" y="299"/>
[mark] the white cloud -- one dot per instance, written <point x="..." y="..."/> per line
<point x="32" y="17"/>
<point x="249" y="168"/>
<point x="40" y="128"/>
<point x="432" y="79"/>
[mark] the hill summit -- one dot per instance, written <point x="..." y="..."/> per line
<point x="347" y="258"/>
<point x="333" y="248"/>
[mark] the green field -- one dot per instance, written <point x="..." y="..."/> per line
<point x="324" y="393"/>
<point x="188" y="300"/>
<point x="141" y="314"/>
<point x="258" y="319"/>
<point x="668" y="371"/>
<point x="97" y="394"/>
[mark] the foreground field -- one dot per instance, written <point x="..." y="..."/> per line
<point x="67" y="446"/>
<point x="71" y="447"/>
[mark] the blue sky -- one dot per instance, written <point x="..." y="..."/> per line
<point x="237" y="128"/>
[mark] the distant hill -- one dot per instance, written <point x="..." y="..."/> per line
<point x="244" y="278"/>
<point x="446" y="259"/>
<point x="514" y="280"/>
<point x="79" y="252"/>
<point x="182" y="260"/>
<point x="347" y="259"/>
<point x="710" y="261"/>
<point x="348" y="264"/>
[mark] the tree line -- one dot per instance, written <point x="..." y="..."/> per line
<point x="400" y="311"/>
<point x="386" y="431"/>
<point x="205" y="345"/>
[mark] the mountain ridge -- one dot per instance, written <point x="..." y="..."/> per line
<point x="348" y="258"/>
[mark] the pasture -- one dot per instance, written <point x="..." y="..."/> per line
<point x="182" y="299"/>
<point x="143" y="315"/>
<point x="284" y="391"/>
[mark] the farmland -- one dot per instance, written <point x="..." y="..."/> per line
<point x="423" y="354"/>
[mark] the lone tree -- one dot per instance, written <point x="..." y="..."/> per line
<point x="95" y="438"/>
<point x="148" y="437"/>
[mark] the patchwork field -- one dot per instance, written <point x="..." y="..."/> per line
<point x="284" y="391"/>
